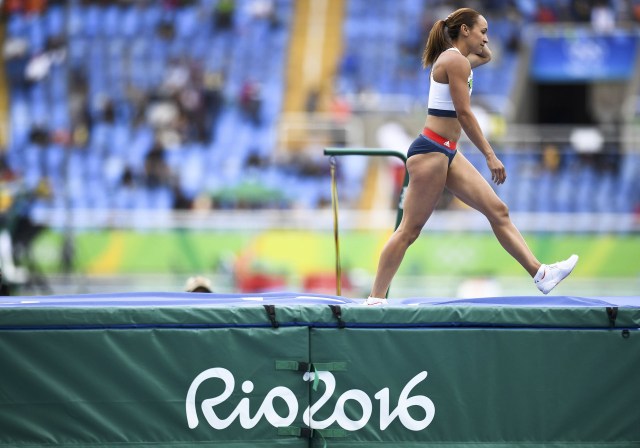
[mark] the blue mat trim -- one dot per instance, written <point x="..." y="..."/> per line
<point x="155" y="299"/>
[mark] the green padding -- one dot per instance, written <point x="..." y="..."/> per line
<point x="324" y="434"/>
<point x="352" y="315"/>
<point x="337" y="443"/>
<point x="290" y="431"/>
<point x="337" y="366"/>
<point x="106" y="388"/>
<point x="330" y="433"/>
<point x="288" y="365"/>
<point x="481" y="387"/>
<point x="395" y="376"/>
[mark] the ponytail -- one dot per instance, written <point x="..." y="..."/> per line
<point x="436" y="43"/>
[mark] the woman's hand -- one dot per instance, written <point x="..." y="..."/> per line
<point x="498" y="172"/>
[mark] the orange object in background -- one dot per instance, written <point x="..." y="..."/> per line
<point x="325" y="283"/>
<point x="255" y="282"/>
<point x="26" y="6"/>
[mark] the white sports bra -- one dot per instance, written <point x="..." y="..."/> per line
<point x="440" y="102"/>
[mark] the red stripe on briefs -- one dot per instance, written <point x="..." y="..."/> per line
<point x="439" y="139"/>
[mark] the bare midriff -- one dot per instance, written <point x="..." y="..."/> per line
<point x="449" y="128"/>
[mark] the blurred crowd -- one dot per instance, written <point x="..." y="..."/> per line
<point x="225" y="121"/>
<point x="175" y="104"/>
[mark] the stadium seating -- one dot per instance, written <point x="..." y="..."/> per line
<point x="118" y="48"/>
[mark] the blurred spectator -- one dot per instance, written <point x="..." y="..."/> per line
<point x="177" y="76"/>
<point x="16" y="58"/>
<point x="79" y="109"/>
<point x="636" y="10"/>
<point x="251" y="101"/>
<point x="128" y="179"/>
<point x="340" y="110"/>
<point x="255" y="160"/>
<point x="513" y="38"/>
<point x="166" y="30"/>
<point x="313" y="100"/>
<point x="163" y="115"/>
<point x="37" y="68"/>
<point x="17" y="234"/>
<point x="546" y="14"/>
<point x="581" y="10"/>
<point x="39" y="135"/>
<point x="551" y="157"/>
<point x="212" y="103"/>
<point x="223" y="15"/>
<point x="108" y="111"/>
<point x="6" y="172"/>
<point x="126" y="190"/>
<point x="603" y="17"/>
<point x="261" y="9"/>
<point x="156" y="170"/>
<point x="139" y="101"/>
<point x="39" y="65"/>
<point x="265" y="10"/>
<point x="180" y="200"/>
<point x="25" y="6"/>
<point x="202" y="202"/>
<point x="198" y="283"/>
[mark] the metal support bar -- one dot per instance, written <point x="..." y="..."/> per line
<point x="377" y="152"/>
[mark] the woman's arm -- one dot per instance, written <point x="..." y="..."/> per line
<point x="458" y="70"/>
<point x="477" y="60"/>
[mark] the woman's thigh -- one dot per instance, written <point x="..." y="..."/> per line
<point x="468" y="185"/>
<point x="427" y="177"/>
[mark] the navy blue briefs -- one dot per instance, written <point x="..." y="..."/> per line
<point x="424" y="145"/>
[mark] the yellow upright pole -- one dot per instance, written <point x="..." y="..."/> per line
<point x="334" y="204"/>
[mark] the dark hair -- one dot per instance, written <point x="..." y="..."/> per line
<point x="438" y="41"/>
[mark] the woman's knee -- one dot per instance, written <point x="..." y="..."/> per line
<point x="499" y="212"/>
<point x="409" y="234"/>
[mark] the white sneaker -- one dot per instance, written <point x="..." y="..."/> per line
<point x="549" y="275"/>
<point x="375" y="301"/>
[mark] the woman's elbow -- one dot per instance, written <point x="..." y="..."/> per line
<point x="465" y="116"/>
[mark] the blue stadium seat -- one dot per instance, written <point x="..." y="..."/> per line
<point x="37" y="34"/>
<point x="130" y="21"/>
<point x="55" y="20"/>
<point x="54" y="162"/>
<point x="186" y="22"/>
<point x="91" y="20"/>
<point x="192" y="171"/>
<point x="122" y="198"/>
<point x="17" y="25"/>
<point x="160" y="198"/>
<point x="112" y="18"/>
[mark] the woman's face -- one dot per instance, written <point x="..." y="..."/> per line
<point x="478" y="35"/>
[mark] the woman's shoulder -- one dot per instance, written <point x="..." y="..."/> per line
<point x="453" y="60"/>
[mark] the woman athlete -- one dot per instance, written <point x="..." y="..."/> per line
<point x="454" y="47"/>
